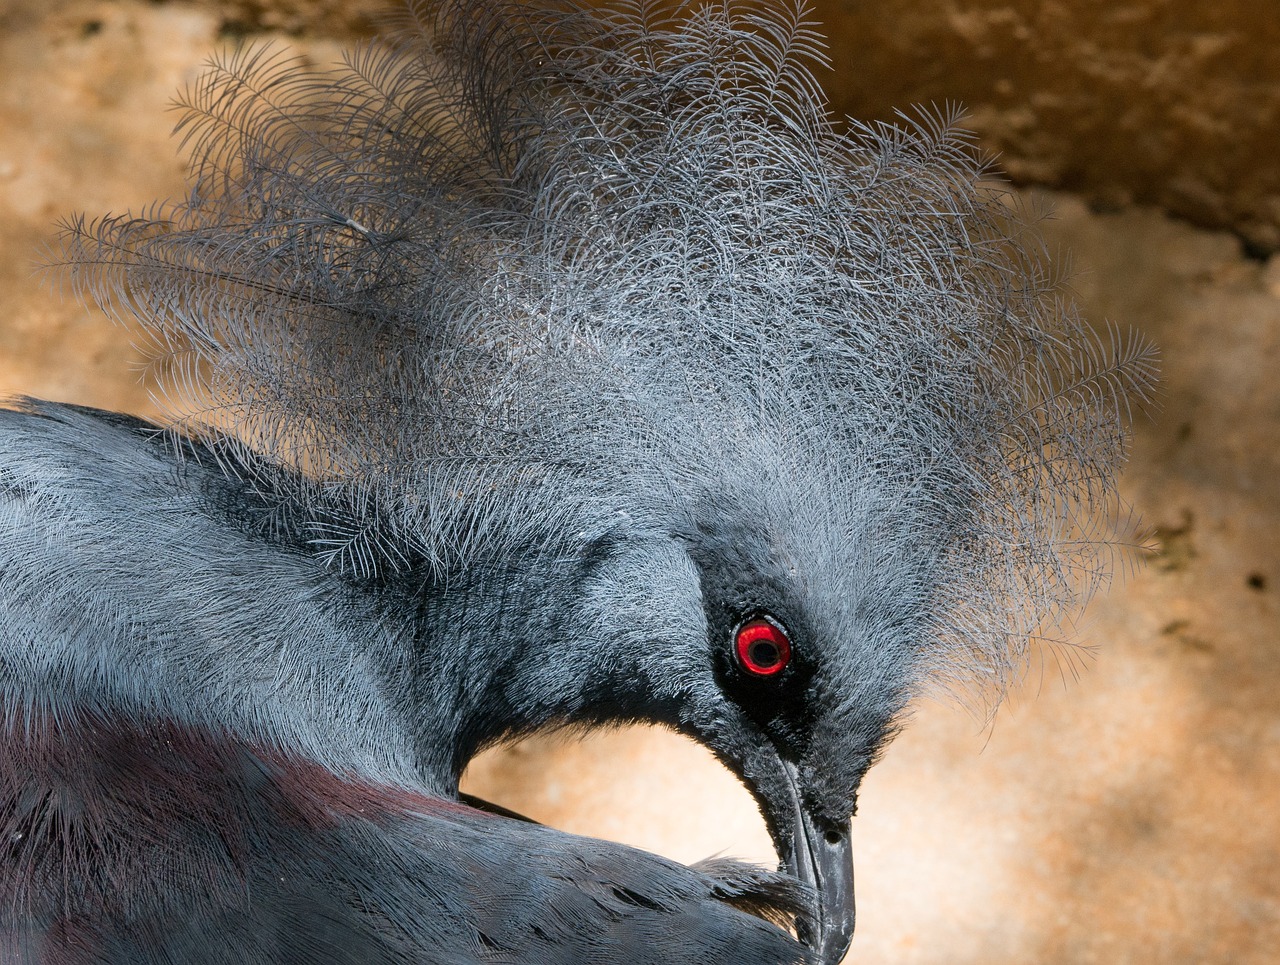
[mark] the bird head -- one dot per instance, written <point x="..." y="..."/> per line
<point x="776" y="617"/>
<point x="674" y="400"/>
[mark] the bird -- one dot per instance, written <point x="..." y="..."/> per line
<point x="543" y="365"/>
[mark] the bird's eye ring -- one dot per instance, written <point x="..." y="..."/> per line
<point x="762" y="647"/>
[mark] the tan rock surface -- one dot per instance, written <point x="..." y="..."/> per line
<point x="1129" y="815"/>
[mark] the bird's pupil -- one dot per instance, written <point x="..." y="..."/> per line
<point x="763" y="653"/>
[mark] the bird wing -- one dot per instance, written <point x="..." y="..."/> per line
<point x="146" y="841"/>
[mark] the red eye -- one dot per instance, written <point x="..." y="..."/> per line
<point x="763" y="648"/>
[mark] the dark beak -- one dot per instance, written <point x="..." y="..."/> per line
<point x="821" y="857"/>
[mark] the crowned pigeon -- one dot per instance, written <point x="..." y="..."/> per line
<point x="545" y="365"/>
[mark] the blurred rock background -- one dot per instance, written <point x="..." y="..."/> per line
<point x="1125" y="805"/>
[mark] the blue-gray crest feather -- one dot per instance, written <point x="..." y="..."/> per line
<point x="522" y="270"/>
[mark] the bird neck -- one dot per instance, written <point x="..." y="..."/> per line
<point x="552" y="639"/>
<point x="477" y="642"/>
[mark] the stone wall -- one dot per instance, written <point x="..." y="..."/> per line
<point x="1172" y="103"/>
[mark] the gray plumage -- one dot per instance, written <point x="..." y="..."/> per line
<point x="515" y="366"/>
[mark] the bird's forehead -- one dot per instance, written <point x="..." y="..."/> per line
<point x="824" y="545"/>
<point x="849" y="569"/>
